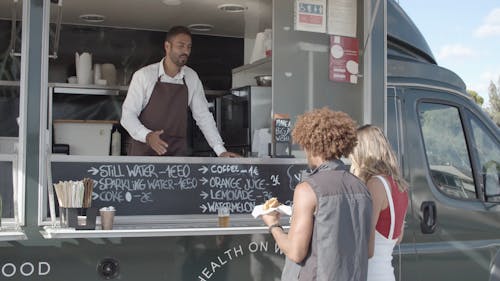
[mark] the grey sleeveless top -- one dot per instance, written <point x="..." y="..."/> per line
<point x="341" y="230"/>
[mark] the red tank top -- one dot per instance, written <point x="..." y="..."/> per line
<point x="400" y="201"/>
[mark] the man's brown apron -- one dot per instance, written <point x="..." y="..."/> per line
<point x="166" y="110"/>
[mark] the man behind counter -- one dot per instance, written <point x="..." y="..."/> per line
<point x="155" y="110"/>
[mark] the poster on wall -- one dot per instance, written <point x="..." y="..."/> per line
<point x="310" y="15"/>
<point x="344" y="59"/>
<point x="342" y="17"/>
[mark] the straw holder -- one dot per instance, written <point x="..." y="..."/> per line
<point x="69" y="217"/>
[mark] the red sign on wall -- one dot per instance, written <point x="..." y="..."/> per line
<point x="344" y="59"/>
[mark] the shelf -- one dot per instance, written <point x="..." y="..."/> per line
<point x="262" y="65"/>
<point x="184" y="227"/>
<point x="151" y="231"/>
<point x="8" y="83"/>
<point x="77" y="89"/>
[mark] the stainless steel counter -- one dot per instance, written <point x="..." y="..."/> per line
<point x="191" y="226"/>
<point x="65" y="88"/>
<point x="154" y="231"/>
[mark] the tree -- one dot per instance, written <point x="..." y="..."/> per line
<point x="494" y="108"/>
<point x="477" y="98"/>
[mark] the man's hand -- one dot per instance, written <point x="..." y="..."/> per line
<point x="156" y="143"/>
<point x="229" y="154"/>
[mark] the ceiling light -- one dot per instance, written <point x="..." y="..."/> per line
<point x="172" y="2"/>
<point x="93" y="18"/>
<point x="200" y="27"/>
<point x="232" y="8"/>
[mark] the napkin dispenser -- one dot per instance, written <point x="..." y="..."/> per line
<point x="78" y="218"/>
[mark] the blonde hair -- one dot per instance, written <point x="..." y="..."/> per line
<point x="373" y="156"/>
<point x="325" y="133"/>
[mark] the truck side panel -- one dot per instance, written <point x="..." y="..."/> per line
<point x="457" y="233"/>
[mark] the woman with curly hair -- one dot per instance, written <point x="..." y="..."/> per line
<point x="330" y="226"/>
<point x="376" y="164"/>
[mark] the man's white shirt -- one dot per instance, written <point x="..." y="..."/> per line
<point x="141" y="89"/>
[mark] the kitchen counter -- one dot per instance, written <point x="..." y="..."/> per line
<point x="79" y="89"/>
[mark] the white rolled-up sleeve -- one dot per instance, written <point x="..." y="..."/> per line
<point x="133" y="106"/>
<point x="204" y="119"/>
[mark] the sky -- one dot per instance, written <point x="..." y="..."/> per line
<point x="464" y="37"/>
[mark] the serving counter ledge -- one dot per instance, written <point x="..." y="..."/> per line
<point x="11" y="234"/>
<point x="164" y="230"/>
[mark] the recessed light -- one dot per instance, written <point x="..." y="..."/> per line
<point x="93" y="18"/>
<point x="232" y="8"/>
<point x="200" y="27"/>
<point x="172" y="2"/>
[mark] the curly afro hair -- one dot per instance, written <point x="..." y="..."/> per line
<point x="325" y="133"/>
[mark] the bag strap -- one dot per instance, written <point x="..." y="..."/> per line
<point x="391" y="205"/>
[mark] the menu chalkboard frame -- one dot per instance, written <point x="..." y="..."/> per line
<point x="166" y="218"/>
<point x="282" y="132"/>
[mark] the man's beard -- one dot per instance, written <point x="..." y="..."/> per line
<point x="180" y="60"/>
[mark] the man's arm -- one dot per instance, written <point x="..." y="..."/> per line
<point x="296" y="243"/>
<point x="132" y="108"/>
<point x="204" y="119"/>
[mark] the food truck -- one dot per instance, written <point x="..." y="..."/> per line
<point x="65" y="72"/>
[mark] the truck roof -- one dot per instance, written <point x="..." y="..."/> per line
<point x="409" y="58"/>
<point x="403" y="32"/>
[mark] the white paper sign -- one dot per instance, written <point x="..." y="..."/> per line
<point x="310" y="15"/>
<point x="342" y="17"/>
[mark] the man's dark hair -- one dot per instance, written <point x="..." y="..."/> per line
<point x="176" y="30"/>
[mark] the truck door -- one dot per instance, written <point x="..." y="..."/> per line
<point x="452" y="153"/>
<point x="404" y="254"/>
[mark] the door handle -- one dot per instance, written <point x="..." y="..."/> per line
<point x="428" y="218"/>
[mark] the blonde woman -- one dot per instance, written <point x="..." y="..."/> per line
<point x="374" y="162"/>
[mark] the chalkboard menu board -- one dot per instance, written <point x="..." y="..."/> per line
<point x="282" y="130"/>
<point x="6" y="189"/>
<point x="180" y="188"/>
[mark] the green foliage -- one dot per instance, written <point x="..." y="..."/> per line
<point x="494" y="108"/>
<point x="477" y="98"/>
